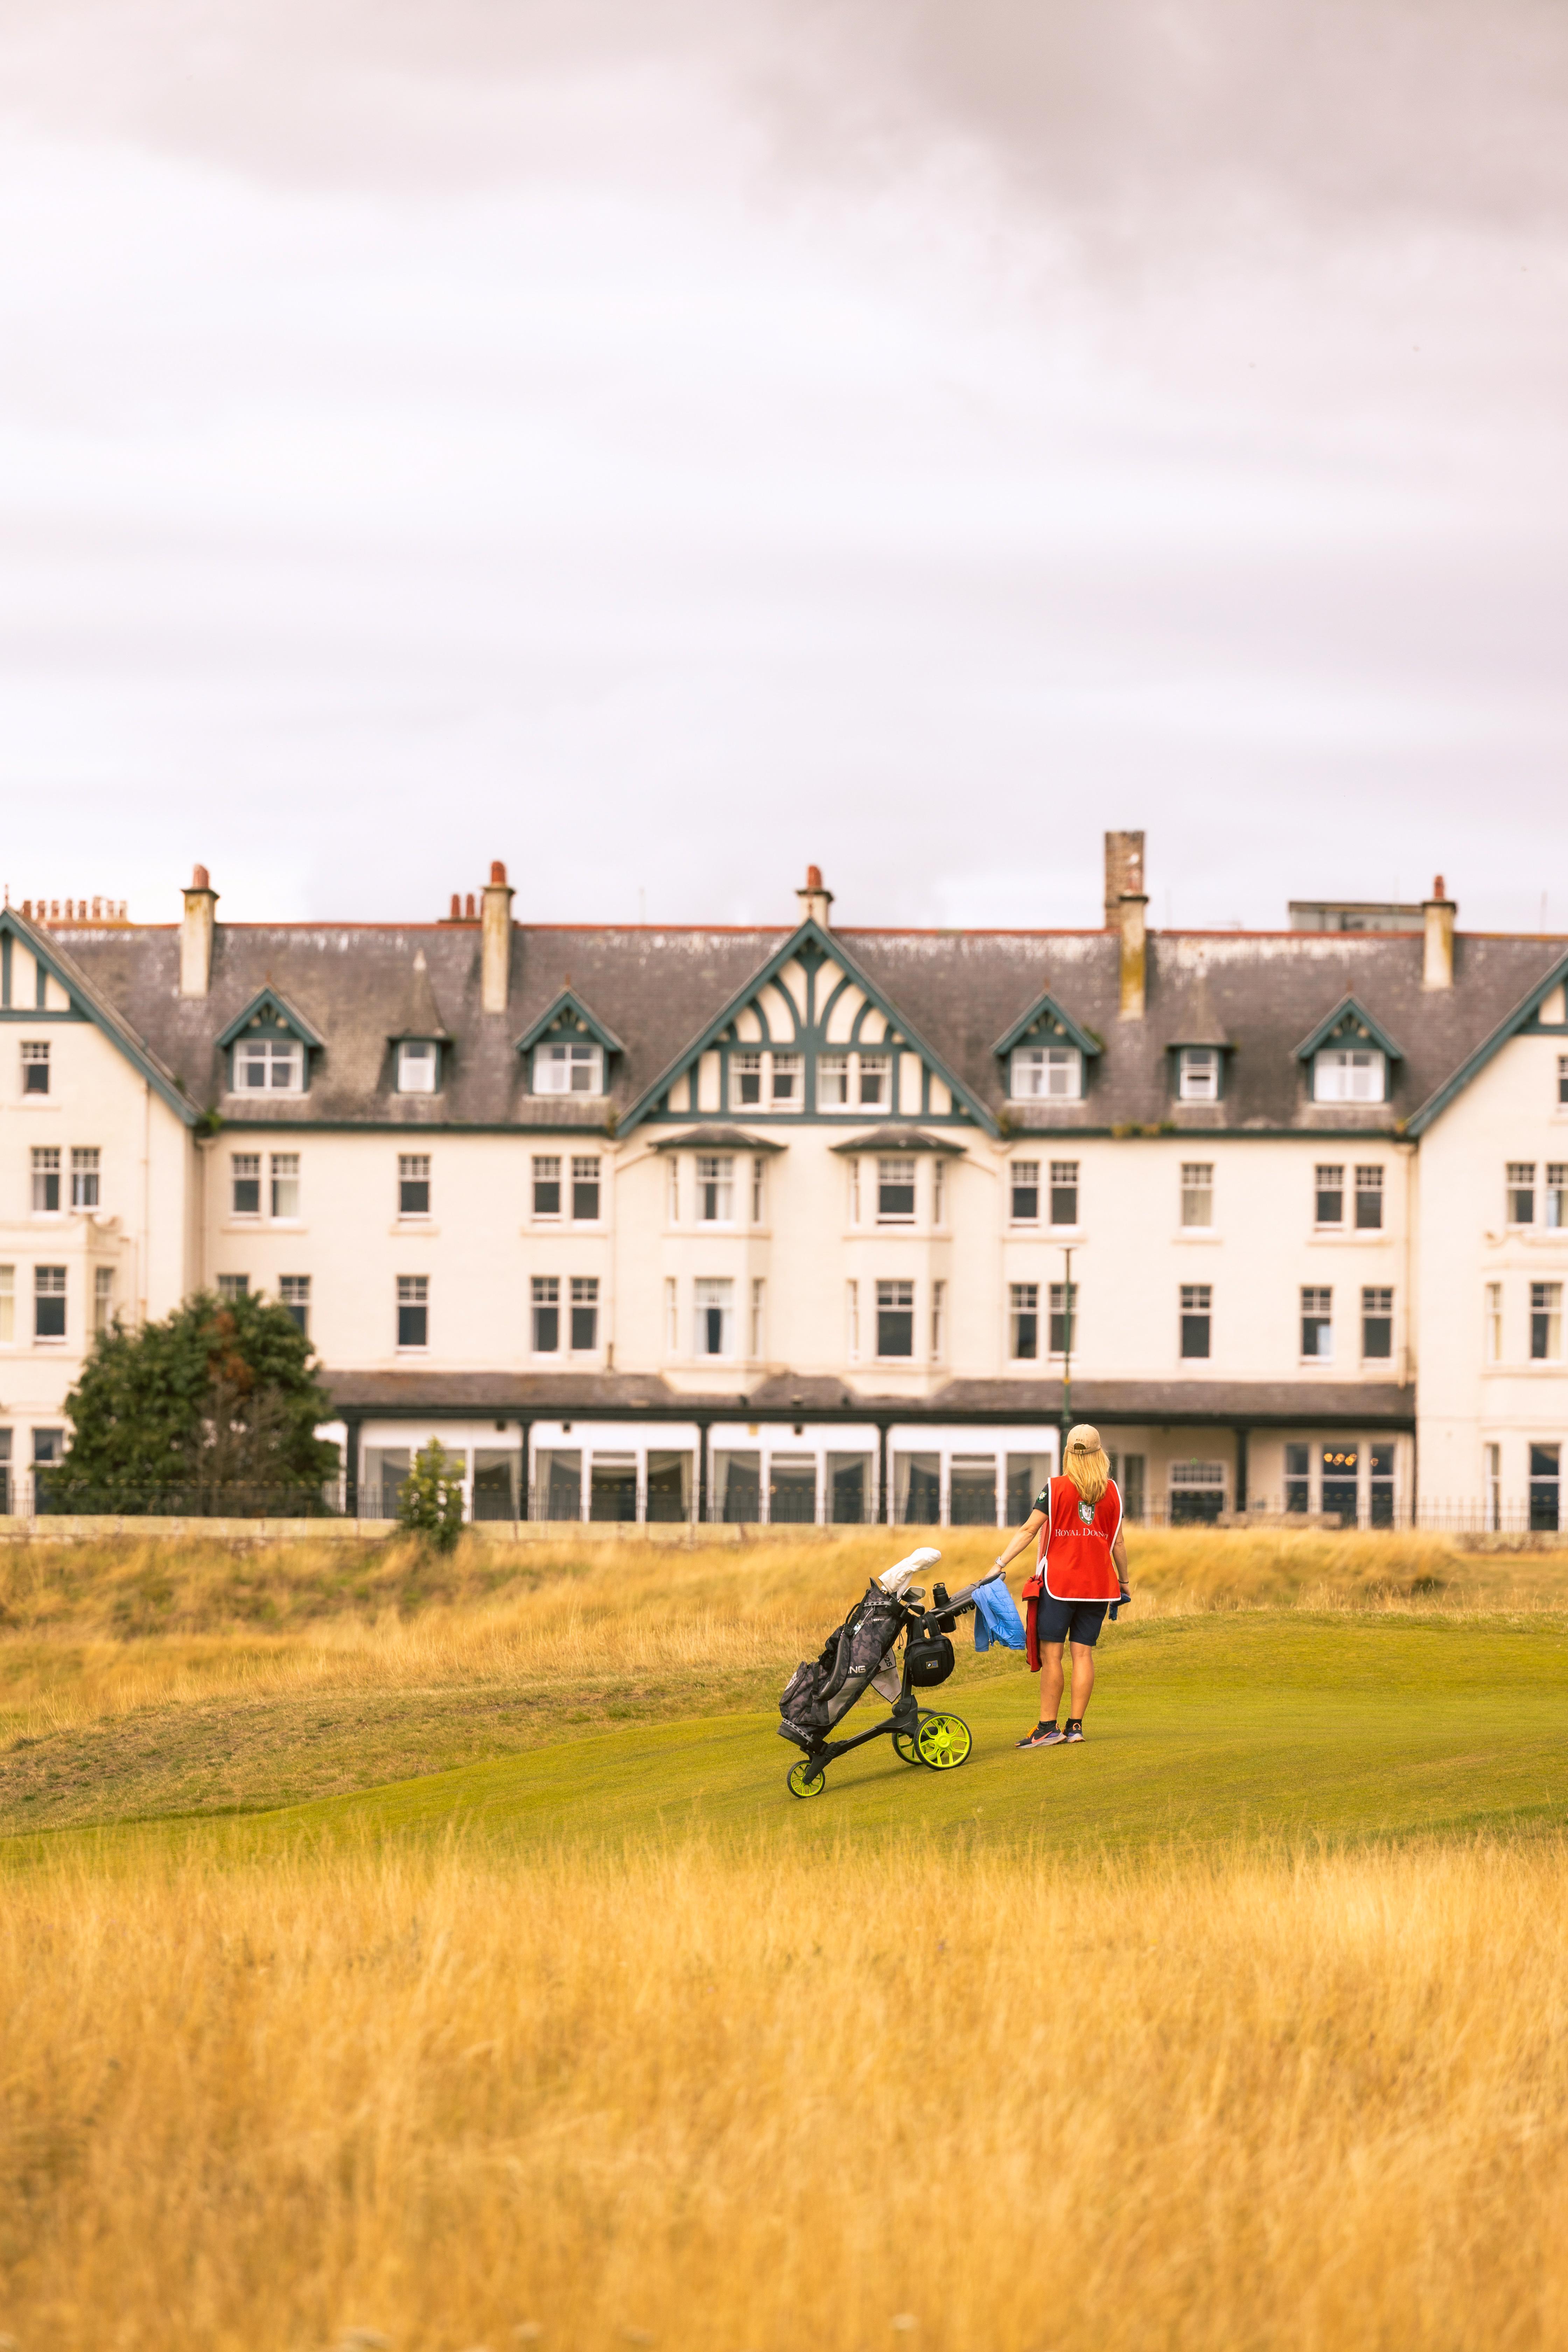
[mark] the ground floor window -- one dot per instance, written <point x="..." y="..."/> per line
<point x="1197" y="1492"/>
<point x="917" y="1490"/>
<point x="1128" y="1470"/>
<point x="1297" y="1479"/>
<point x="1545" y="1473"/>
<point x="1341" y="1467"/>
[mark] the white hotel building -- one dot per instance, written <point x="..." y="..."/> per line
<point x="799" y="1223"/>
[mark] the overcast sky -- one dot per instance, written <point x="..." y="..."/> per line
<point x="662" y="444"/>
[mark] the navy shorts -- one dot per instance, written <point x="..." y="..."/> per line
<point x="1069" y="1621"/>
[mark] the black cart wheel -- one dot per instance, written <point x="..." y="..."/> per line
<point x="943" y="1741"/>
<point x="907" y="1743"/>
<point x="799" y="1782"/>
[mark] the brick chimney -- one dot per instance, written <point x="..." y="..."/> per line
<point x="495" y="941"/>
<point x="1437" y="962"/>
<point x="1123" y="871"/>
<point x="196" y="935"/>
<point x="815" y="900"/>
<point x="1125" y="905"/>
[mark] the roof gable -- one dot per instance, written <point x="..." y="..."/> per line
<point x="1349" y="1023"/>
<point x="567" y="1015"/>
<point x="87" y="1005"/>
<point x="814" y="1026"/>
<point x="270" y="1010"/>
<point x="1525" y="1015"/>
<point x="1046" y="1019"/>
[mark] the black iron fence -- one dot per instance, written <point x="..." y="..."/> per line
<point x="55" y="1499"/>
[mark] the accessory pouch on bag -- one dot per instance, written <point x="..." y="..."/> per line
<point x="929" y="1662"/>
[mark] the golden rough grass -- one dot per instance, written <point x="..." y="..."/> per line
<point x="775" y="2103"/>
<point x="97" y="1630"/>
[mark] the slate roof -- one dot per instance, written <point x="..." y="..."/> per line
<point x="785" y="1396"/>
<point x="658" y="989"/>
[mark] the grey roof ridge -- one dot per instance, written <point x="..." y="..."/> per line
<point x="106" y="1015"/>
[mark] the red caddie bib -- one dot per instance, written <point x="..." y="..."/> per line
<point x="1075" y="1544"/>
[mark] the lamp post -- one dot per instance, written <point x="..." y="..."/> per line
<point x="1067" y="1353"/>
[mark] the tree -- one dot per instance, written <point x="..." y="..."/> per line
<point x="217" y="1405"/>
<point x="431" y="1503"/>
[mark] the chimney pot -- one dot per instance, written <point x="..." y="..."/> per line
<point x="498" y="873"/>
<point x="468" y="913"/>
<point x="457" y="913"/>
<point x="815" y="899"/>
<point x="201" y="879"/>
<point x="1438" y="889"/>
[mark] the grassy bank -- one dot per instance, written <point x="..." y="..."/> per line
<point x="155" y="1678"/>
<point x="721" y="2103"/>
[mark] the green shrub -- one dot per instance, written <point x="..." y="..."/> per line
<point x="431" y="1504"/>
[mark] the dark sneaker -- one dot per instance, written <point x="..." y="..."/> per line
<point x="1044" y="1735"/>
<point x="1074" y="1733"/>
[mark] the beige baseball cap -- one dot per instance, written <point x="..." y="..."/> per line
<point x="1084" y="1439"/>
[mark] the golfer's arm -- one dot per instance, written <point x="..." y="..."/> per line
<point x="1025" y="1536"/>
<point x="1119" y="1554"/>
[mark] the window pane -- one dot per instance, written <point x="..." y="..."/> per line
<point x="285" y="1183"/>
<point x="1368" y="1199"/>
<point x="895" y="1191"/>
<point x="1522" y="1191"/>
<point x="84" y="1180"/>
<point x="35" y="1068"/>
<point x="713" y="1306"/>
<point x="1329" y="1197"/>
<point x="1025" y="1191"/>
<point x="832" y="1080"/>
<point x="417" y="1067"/>
<point x="48" y="1302"/>
<point x="895" y="1318"/>
<point x="413" y="1310"/>
<point x="1377" y="1322"/>
<point x="1197" y="1193"/>
<point x="294" y="1291"/>
<point x="584" y="1312"/>
<point x="414" y="1184"/>
<point x="787" y="1077"/>
<point x="746" y="1078"/>
<point x="545" y="1294"/>
<point x="875" y="1078"/>
<point x="547" y="1187"/>
<point x="1024" y="1311"/>
<point x="1064" y="1317"/>
<point x="715" y="1188"/>
<point x="46" y="1181"/>
<point x="1196" y="1298"/>
<point x="1317" y="1325"/>
<point x="1064" y="1191"/>
<point x="585" y="1187"/>
<point x="1199" y="1073"/>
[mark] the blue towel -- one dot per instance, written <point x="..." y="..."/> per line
<point x="997" y="1617"/>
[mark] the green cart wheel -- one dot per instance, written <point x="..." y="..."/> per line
<point x="799" y="1784"/>
<point x="907" y="1743"/>
<point x="943" y="1741"/>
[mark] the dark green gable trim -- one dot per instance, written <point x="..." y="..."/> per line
<point x="1348" y="1019"/>
<point x="1045" y="1018"/>
<point x="570" y="1015"/>
<point x="270" y="1010"/>
<point x="86" y="1004"/>
<point x="1525" y="1017"/>
<point x="812" y="947"/>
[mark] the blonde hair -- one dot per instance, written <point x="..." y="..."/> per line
<point x="1086" y="1462"/>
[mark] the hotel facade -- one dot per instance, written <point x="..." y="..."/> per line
<point x="809" y="1224"/>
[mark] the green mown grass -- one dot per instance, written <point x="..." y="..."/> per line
<point x="1276" y="1727"/>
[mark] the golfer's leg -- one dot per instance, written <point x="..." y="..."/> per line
<point x="1050" y="1680"/>
<point x="1082" y="1676"/>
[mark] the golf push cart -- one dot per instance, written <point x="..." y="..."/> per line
<point x="858" y="1657"/>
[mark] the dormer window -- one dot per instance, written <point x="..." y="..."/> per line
<point x="1197" y="1074"/>
<point x="418" y="1066"/>
<point x="268" y="1065"/>
<point x="568" y="1069"/>
<point x="1352" y="1073"/>
<point x="1047" y="1073"/>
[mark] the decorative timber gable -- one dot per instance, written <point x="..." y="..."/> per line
<point x="810" y="1035"/>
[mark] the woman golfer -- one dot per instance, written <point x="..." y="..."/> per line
<point x="1081" y="1568"/>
